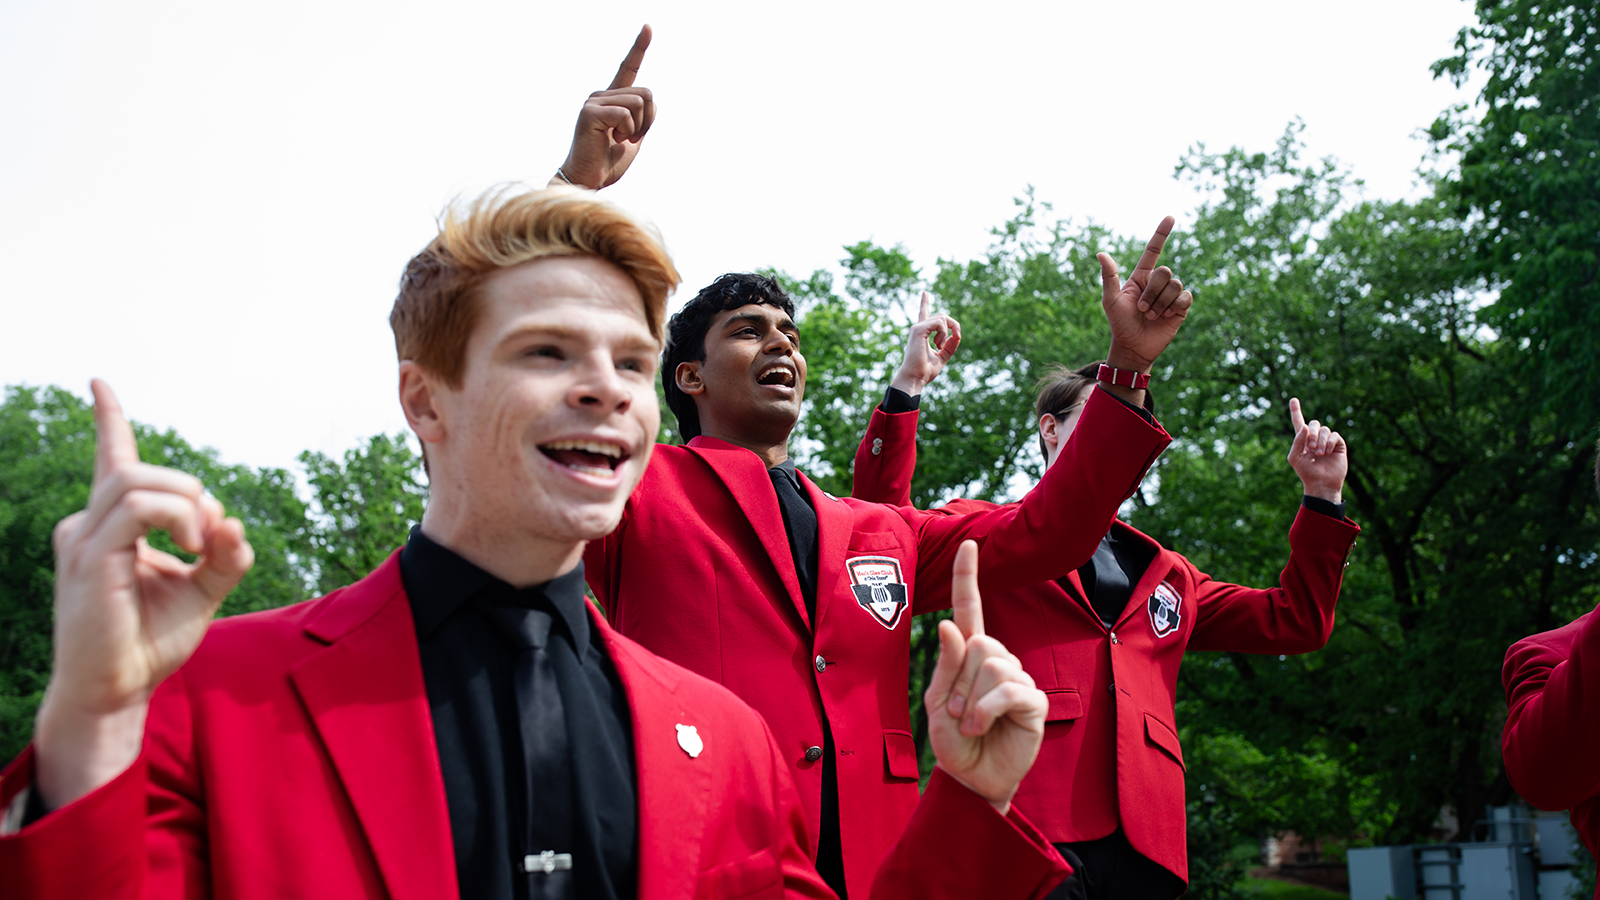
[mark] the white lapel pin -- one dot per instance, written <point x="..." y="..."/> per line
<point x="689" y="740"/>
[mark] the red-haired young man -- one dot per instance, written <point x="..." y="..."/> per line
<point x="460" y="722"/>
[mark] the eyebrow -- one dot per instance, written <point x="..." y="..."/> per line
<point x="570" y="333"/>
<point x="759" y="319"/>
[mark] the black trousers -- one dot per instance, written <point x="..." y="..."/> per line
<point x="1109" y="868"/>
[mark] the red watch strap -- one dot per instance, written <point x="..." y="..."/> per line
<point x="1109" y="375"/>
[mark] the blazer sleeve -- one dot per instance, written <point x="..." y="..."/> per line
<point x="1058" y="525"/>
<point x="1297" y="616"/>
<point x="140" y="835"/>
<point x="886" y="459"/>
<point x="1551" y="740"/>
<point x="957" y="846"/>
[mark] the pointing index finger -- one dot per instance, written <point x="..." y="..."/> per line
<point x="1152" y="250"/>
<point x="964" y="599"/>
<point x="922" y="310"/>
<point x="629" y="69"/>
<point x="1295" y="417"/>
<point x="114" y="445"/>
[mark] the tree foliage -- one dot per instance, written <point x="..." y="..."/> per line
<point x="1528" y="186"/>
<point x="364" y="507"/>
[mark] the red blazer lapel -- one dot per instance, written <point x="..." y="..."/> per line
<point x="747" y="479"/>
<point x="1076" y="593"/>
<point x="365" y="694"/>
<point x="834" y="525"/>
<point x="674" y="791"/>
<point x="1159" y="566"/>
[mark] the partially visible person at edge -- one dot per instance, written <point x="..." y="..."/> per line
<point x="461" y="722"/>
<point x="1105" y="641"/>
<point x="733" y="564"/>
<point x="1551" y="741"/>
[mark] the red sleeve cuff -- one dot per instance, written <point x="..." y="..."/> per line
<point x="956" y="845"/>
<point x="92" y="847"/>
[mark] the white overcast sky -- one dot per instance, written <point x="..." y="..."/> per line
<point x="209" y="203"/>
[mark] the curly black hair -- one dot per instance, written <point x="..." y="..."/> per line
<point x="686" y="333"/>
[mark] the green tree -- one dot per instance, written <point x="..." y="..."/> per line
<point x="1529" y="187"/>
<point x="363" y="508"/>
<point x="46" y="467"/>
<point x="1477" y="530"/>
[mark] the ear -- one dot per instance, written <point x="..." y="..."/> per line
<point x="688" y="378"/>
<point x="1050" y="431"/>
<point x="418" y="398"/>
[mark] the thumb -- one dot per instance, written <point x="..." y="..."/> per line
<point x="1108" y="274"/>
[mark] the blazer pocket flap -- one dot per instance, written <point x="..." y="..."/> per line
<point x="756" y="875"/>
<point x="1162" y="735"/>
<point x="899" y="753"/>
<point x="1064" y="706"/>
<point x="874" y="541"/>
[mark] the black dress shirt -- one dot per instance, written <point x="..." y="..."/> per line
<point x="468" y="666"/>
<point x="800" y="524"/>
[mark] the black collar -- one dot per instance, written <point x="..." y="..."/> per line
<point x="789" y="471"/>
<point x="438" y="580"/>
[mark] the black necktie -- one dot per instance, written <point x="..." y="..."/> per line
<point x="548" y="823"/>
<point x="800" y="521"/>
<point x="1109" y="590"/>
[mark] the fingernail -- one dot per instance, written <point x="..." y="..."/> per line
<point x="958" y="705"/>
<point x="1143" y="305"/>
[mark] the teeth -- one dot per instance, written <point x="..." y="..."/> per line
<point x="590" y="470"/>
<point x="789" y="381"/>
<point x="597" y="447"/>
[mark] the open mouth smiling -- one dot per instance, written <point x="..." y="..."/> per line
<point x="777" y="375"/>
<point x="589" y="457"/>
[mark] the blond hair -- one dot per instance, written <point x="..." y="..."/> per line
<point x="439" y="301"/>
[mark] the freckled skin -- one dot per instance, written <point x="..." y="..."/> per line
<point x="562" y="351"/>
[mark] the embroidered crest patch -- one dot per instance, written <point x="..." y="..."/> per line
<point x="879" y="588"/>
<point x="1164" y="607"/>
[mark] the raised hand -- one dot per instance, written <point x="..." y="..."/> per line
<point x="1318" y="455"/>
<point x="611" y="125"/>
<point x="930" y="343"/>
<point x="1144" y="313"/>
<point x="126" y="615"/>
<point x="985" y="716"/>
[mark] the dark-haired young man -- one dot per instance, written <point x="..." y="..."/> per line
<point x="1551" y="741"/>
<point x="731" y="563"/>
<point x="1105" y="642"/>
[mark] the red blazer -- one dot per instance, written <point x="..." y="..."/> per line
<point x="293" y="756"/>
<point x="700" y="572"/>
<point x="1110" y="760"/>
<point x="1551" y="741"/>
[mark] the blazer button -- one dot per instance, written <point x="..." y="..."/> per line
<point x="813" y="754"/>
<point x="821" y="664"/>
<point x="1114" y="638"/>
<point x="877" y="446"/>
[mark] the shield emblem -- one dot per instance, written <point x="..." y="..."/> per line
<point x="879" y="588"/>
<point x="1164" y="607"/>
